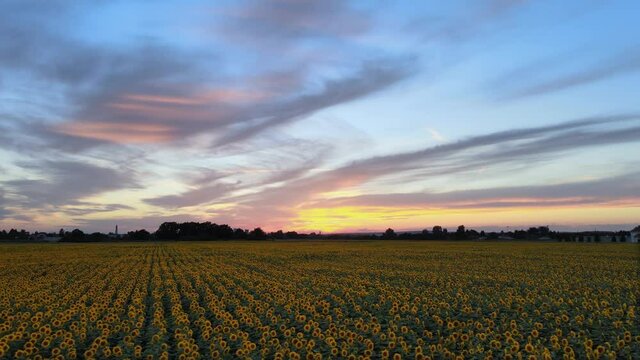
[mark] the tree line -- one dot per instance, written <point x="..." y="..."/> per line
<point x="186" y="231"/>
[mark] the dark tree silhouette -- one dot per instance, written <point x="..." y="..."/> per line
<point x="257" y="234"/>
<point x="139" y="235"/>
<point x="389" y="234"/>
<point x="168" y="231"/>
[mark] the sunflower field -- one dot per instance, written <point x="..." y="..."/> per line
<point x="319" y="300"/>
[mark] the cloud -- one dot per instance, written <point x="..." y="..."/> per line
<point x="487" y="151"/>
<point x="172" y="113"/>
<point x="89" y="208"/>
<point x="436" y="135"/>
<point x="207" y="186"/>
<point x="615" y="66"/>
<point x="277" y="23"/>
<point x="4" y="212"/>
<point x="623" y="188"/>
<point x="151" y="92"/>
<point x="460" y="27"/>
<point x="196" y="196"/>
<point x="373" y="76"/>
<point x="544" y="139"/>
<point x="66" y="183"/>
<point x="118" y="133"/>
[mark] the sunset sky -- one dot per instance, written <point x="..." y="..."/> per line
<point x="320" y="116"/>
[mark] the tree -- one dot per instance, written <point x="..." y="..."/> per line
<point x="291" y="235"/>
<point x="240" y="233"/>
<point x="461" y="233"/>
<point x="95" y="237"/>
<point x="389" y="234"/>
<point x="139" y="235"/>
<point x="438" y="232"/>
<point x="168" y="231"/>
<point x="61" y="233"/>
<point x="75" y="235"/>
<point x="257" y="234"/>
<point x="543" y="230"/>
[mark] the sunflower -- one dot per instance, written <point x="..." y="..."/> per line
<point x="528" y="348"/>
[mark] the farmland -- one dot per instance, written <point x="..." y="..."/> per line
<point x="297" y="300"/>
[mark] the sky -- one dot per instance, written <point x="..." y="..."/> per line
<point x="332" y="116"/>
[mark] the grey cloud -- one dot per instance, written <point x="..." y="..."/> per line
<point x="512" y="146"/>
<point x="206" y="185"/>
<point x="531" y="151"/>
<point x="206" y="176"/>
<point x="406" y="161"/>
<point x="372" y="77"/>
<point x="607" y="190"/>
<point x="464" y="155"/>
<point x="618" y="65"/>
<point x="28" y="41"/>
<point x="461" y="27"/>
<point x="277" y="23"/>
<point x="66" y="183"/>
<point x="289" y="174"/>
<point x="89" y="208"/>
<point x="4" y="212"/>
<point x="196" y="196"/>
<point x="233" y="124"/>
<point x="96" y="80"/>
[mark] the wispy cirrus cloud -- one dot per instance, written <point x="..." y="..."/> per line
<point x="63" y="183"/>
<point x="494" y="150"/>
<point x="153" y="92"/>
<point x="622" y="188"/>
<point x="4" y="212"/>
<point x="370" y="78"/>
<point x="196" y="196"/>
<point x="463" y="26"/>
<point x="539" y="83"/>
<point x="275" y="23"/>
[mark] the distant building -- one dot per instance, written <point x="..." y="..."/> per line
<point x="40" y="236"/>
<point x="605" y="236"/>
<point x="114" y="235"/>
<point x="598" y="237"/>
<point x="635" y="233"/>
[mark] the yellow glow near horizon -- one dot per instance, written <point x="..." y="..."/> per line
<point x="379" y="218"/>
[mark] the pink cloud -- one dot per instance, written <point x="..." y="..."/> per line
<point x="118" y="132"/>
